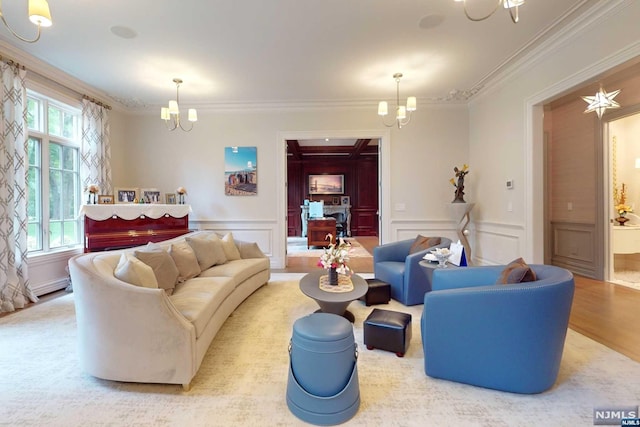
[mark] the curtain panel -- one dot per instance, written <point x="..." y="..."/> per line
<point x="15" y="291"/>
<point x="95" y="151"/>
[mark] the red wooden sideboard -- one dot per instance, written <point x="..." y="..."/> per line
<point x="125" y="225"/>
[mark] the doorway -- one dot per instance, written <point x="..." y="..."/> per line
<point x="624" y="197"/>
<point x="383" y="185"/>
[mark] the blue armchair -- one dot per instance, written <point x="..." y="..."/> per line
<point x="503" y="337"/>
<point x="393" y="264"/>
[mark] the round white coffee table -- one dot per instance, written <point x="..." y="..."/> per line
<point x="333" y="302"/>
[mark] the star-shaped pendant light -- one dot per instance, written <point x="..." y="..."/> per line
<point x="601" y="101"/>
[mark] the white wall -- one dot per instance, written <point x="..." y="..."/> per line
<point x="505" y="128"/>
<point x="422" y="157"/>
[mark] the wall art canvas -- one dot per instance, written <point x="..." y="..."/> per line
<point x="241" y="171"/>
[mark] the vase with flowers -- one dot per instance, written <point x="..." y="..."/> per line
<point x="335" y="257"/>
<point x="92" y="190"/>
<point x="181" y="191"/>
<point x="621" y="207"/>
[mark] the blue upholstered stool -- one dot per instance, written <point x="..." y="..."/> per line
<point x="323" y="386"/>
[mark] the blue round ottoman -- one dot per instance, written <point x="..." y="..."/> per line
<point x="323" y="386"/>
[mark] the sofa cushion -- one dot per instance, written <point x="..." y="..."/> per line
<point x="249" y="250"/>
<point x="231" y="251"/>
<point x="131" y="270"/>
<point x="421" y="243"/>
<point x="238" y="270"/>
<point x="185" y="259"/>
<point x="517" y="271"/>
<point x="199" y="298"/>
<point x="208" y="250"/>
<point x="162" y="265"/>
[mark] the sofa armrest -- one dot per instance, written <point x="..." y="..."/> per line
<point x="129" y="333"/>
<point x="394" y="251"/>
<point x="465" y="277"/>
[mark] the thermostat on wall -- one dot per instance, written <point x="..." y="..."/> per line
<point x="509" y="184"/>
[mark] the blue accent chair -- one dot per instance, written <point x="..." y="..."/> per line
<point x="393" y="264"/>
<point x="502" y="337"/>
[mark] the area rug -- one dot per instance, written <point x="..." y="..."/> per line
<point x="297" y="247"/>
<point x="243" y="378"/>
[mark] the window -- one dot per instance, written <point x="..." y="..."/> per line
<point x="54" y="174"/>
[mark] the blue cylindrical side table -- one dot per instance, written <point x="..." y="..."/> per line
<point x="323" y="386"/>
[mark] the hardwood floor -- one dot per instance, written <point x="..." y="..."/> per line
<point x="607" y="313"/>
<point x="602" y="311"/>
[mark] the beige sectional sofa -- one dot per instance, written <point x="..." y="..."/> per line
<point x="148" y="314"/>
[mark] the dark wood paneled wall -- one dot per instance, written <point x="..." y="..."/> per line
<point x="361" y="185"/>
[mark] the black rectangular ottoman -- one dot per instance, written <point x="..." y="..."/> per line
<point x="379" y="292"/>
<point x="388" y="330"/>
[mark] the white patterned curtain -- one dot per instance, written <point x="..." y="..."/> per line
<point x="95" y="152"/>
<point x="15" y="291"/>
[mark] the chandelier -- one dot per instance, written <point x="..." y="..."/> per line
<point x="171" y="114"/>
<point x="601" y="102"/>
<point x="39" y="14"/>
<point x="512" y="5"/>
<point x="403" y="112"/>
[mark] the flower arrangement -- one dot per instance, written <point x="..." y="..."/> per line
<point x="336" y="255"/>
<point x="92" y="189"/>
<point x="459" y="184"/>
<point x="620" y="200"/>
<point x="181" y="192"/>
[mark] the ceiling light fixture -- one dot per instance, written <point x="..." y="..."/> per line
<point x="403" y="112"/>
<point x="512" y="5"/>
<point x="39" y="14"/>
<point x="601" y="102"/>
<point x="171" y="114"/>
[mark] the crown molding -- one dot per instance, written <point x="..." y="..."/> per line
<point x="564" y="34"/>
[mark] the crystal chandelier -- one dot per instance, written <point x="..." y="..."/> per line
<point x="403" y="112"/>
<point x="511" y="5"/>
<point x="171" y="114"/>
<point x="39" y="14"/>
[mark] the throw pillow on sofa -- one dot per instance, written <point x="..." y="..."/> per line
<point x="185" y="259"/>
<point x="163" y="266"/>
<point x="421" y="243"/>
<point x="131" y="270"/>
<point x="249" y="250"/>
<point x="231" y="251"/>
<point x="517" y="271"/>
<point x="208" y="251"/>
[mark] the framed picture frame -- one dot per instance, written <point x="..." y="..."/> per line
<point x="125" y="195"/>
<point x="240" y="171"/>
<point x="105" y="199"/>
<point x="150" y="195"/>
<point x="335" y="201"/>
<point x="170" y="198"/>
<point x="345" y="200"/>
<point x="326" y="184"/>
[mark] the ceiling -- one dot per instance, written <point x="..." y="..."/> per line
<point x="284" y="52"/>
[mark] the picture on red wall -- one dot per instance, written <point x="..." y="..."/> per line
<point x="326" y="184"/>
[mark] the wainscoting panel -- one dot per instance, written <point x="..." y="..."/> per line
<point x="497" y="244"/>
<point x="409" y="229"/>
<point x="264" y="233"/>
<point x="573" y="247"/>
